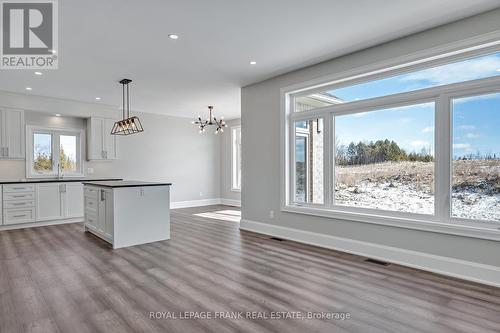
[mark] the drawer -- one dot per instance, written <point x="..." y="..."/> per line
<point x="14" y="216"/>
<point x="19" y="188"/>
<point x="90" y="220"/>
<point x="18" y="196"/>
<point x="91" y="192"/>
<point x="91" y="204"/>
<point x="19" y="204"/>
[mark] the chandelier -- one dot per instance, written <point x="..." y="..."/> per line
<point x="128" y="125"/>
<point x="210" y="121"/>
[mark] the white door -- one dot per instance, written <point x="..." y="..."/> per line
<point x="14" y="133"/>
<point x="109" y="140"/>
<point x="49" y="202"/>
<point x="73" y="200"/>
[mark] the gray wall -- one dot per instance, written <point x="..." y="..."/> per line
<point x="261" y="151"/>
<point x="226" y="192"/>
<point x="170" y="149"/>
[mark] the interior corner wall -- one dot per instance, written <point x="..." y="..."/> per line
<point x="261" y="154"/>
<point x="228" y="196"/>
<point x="170" y="148"/>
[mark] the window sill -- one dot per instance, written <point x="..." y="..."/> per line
<point x="484" y="232"/>
<point x="236" y="190"/>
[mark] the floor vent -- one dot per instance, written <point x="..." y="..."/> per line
<point x="377" y="262"/>
<point x="277" y="239"/>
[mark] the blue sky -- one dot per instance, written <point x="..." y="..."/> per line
<point x="476" y="120"/>
<point x="43" y="144"/>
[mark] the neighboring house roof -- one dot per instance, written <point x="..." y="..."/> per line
<point x="317" y="100"/>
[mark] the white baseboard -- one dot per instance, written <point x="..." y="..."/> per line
<point x="467" y="270"/>
<point x="39" y="224"/>
<point x="204" y="202"/>
<point x="194" y="203"/>
<point x="231" y="202"/>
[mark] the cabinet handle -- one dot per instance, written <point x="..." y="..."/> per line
<point x="19" y="196"/>
<point x="20" y="204"/>
<point x="102" y="195"/>
<point x="19" y="215"/>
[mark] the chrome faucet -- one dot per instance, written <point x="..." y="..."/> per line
<point x="59" y="171"/>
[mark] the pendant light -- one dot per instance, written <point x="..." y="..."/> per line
<point x="211" y="121"/>
<point x="128" y="125"/>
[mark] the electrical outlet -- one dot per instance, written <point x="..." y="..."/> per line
<point x="201" y="194"/>
<point x="271" y="214"/>
<point x="90" y="171"/>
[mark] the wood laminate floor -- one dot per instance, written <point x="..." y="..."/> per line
<point x="59" y="279"/>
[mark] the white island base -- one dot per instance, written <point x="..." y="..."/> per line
<point x="127" y="213"/>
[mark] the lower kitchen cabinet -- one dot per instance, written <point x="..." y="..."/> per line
<point x="59" y="201"/>
<point x="99" y="212"/>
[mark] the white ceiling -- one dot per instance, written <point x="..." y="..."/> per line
<point x="104" y="41"/>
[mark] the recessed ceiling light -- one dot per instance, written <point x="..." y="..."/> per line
<point x="53" y="51"/>
<point x="38" y="73"/>
<point x="29" y="88"/>
<point x="173" y="36"/>
<point x="98" y="98"/>
<point x="57" y="115"/>
<point x="253" y="62"/>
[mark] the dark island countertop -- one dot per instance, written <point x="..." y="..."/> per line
<point x="127" y="183"/>
<point x="55" y="180"/>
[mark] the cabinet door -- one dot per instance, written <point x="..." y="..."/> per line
<point x="13" y="133"/>
<point x="49" y="202"/>
<point x="109" y="140"/>
<point x="95" y="147"/>
<point x="108" y="223"/>
<point x="73" y="200"/>
<point x="101" y="217"/>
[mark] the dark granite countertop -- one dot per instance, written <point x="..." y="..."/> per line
<point x="128" y="183"/>
<point x="55" y="180"/>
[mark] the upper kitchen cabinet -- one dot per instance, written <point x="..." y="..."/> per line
<point x="101" y="145"/>
<point x="12" y="134"/>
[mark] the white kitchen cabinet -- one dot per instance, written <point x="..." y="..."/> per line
<point x="101" y="144"/>
<point x="18" y="203"/>
<point x="73" y="200"/>
<point x="12" y="136"/>
<point x="128" y="213"/>
<point x="56" y="201"/>
<point x="49" y="204"/>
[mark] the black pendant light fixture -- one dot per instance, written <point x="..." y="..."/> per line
<point x="128" y="125"/>
<point x="211" y="121"/>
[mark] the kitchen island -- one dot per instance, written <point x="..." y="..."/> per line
<point x="127" y="213"/>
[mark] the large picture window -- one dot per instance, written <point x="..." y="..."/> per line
<point x="53" y="152"/>
<point x="415" y="146"/>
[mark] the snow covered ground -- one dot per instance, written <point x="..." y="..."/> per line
<point x="409" y="187"/>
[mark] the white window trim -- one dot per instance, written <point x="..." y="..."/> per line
<point x="31" y="129"/>
<point x="233" y="165"/>
<point x="441" y="95"/>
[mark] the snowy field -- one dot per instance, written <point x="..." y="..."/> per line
<point x="409" y="187"/>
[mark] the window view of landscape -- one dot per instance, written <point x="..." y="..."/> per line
<point x="385" y="159"/>
<point x="476" y="158"/>
<point x="67" y="153"/>
<point x="42" y="159"/>
<point x="309" y="161"/>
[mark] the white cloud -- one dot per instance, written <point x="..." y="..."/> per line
<point x="462" y="146"/>
<point x="360" y="115"/>
<point x="428" y="129"/>
<point x="472" y="136"/>
<point x="457" y="72"/>
<point x="466" y="127"/>
<point x="419" y="144"/>
<point x="405" y="120"/>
